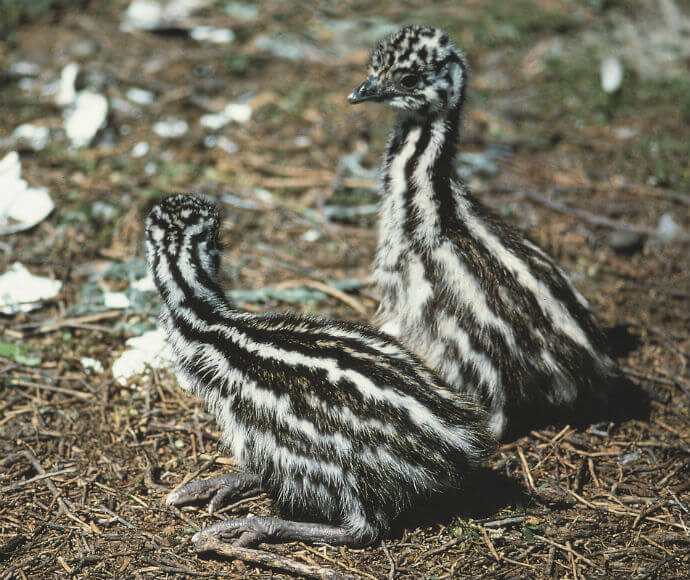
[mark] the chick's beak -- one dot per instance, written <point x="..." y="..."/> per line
<point x="369" y="90"/>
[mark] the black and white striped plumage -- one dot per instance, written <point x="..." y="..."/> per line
<point x="481" y="304"/>
<point x="338" y="421"/>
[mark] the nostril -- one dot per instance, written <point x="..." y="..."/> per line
<point x="367" y="91"/>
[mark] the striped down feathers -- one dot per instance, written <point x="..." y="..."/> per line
<point x="339" y="420"/>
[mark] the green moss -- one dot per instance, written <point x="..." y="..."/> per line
<point x="664" y="160"/>
<point x="504" y="23"/>
<point x="463" y="529"/>
<point x="574" y="86"/>
<point x="177" y="173"/>
<point x="509" y="22"/>
<point x="237" y="64"/>
<point x="20" y="354"/>
<point x="70" y="161"/>
<point x="300" y="97"/>
<point x="17" y="12"/>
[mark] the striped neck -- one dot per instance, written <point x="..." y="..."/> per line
<point x="420" y="170"/>
<point x="185" y="276"/>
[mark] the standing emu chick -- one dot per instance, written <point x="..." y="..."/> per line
<point x="481" y="304"/>
<point x="335" y="421"/>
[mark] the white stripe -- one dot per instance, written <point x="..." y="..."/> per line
<point x="486" y="371"/>
<point x="422" y="416"/>
<point x="383" y="459"/>
<point x="549" y="305"/>
<point x="218" y="367"/>
<point x="424" y="200"/>
<point x="392" y="327"/>
<point x="459" y="282"/>
<point x="346" y="415"/>
<point x="418" y="289"/>
<point x="497" y="423"/>
<point x="210" y="359"/>
<point x="266" y="445"/>
<point x="544" y="258"/>
<point x="393" y="204"/>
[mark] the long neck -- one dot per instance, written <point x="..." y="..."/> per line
<point x="420" y="169"/>
<point x="187" y="282"/>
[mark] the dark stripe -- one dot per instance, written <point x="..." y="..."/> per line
<point x="451" y="57"/>
<point x="521" y="373"/>
<point x="295" y="380"/>
<point x="412" y="217"/>
<point x="317" y="343"/>
<point x="487" y="270"/>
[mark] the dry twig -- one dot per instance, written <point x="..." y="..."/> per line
<point x="596" y="220"/>
<point x="356" y="305"/>
<point x="64" y="505"/>
<point x="569" y="550"/>
<point x="269" y="560"/>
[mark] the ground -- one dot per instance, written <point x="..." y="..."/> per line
<point x="553" y="153"/>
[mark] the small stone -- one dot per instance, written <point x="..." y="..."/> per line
<point x="140" y="96"/>
<point x="32" y="137"/>
<point x="226" y="145"/>
<point x="241" y="11"/>
<point x="221" y="142"/>
<point x="311" y="235"/>
<point x="170" y="128"/>
<point x="66" y="93"/>
<point x="85" y="48"/>
<point x="25" y="68"/>
<point x="611" y="74"/>
<point x="27" y="84"/>
<point x="89" y="114"/>
<point x="103" y="210"/>
<point x="624" y="133"/>
<point x="91" y="365"/>
<point x="212" y="34"/>
<point x="142" y="15"/>
<point x="667" y="230"/>
<point x="624" y="242"/>
<point x="238" y="112"/>
<point x="626" y="458"/>
<point x="116" y="300"/>
<point x="214" y="121"/>
<point x="141" y="149"/>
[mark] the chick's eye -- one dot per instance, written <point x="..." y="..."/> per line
<point x="409" y="81"/>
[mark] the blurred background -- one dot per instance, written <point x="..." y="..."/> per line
<point x="576" y="130"/>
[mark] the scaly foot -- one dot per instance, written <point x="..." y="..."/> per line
<point x="218" y="489"/>
<point x="258" y="529"/>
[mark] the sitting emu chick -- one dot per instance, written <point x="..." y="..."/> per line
<point x="335" y="421"/>
<point x="482" y="305"/>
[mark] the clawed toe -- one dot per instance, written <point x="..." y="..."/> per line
<point x="221" y="497"/>
<point x="250" y="531"/>
<point x="189" y="493"/>
<point x="219" y="490"/>
<point x="257" y="529"/>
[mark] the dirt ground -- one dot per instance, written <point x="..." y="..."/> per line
<point x="86" y="462"/>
